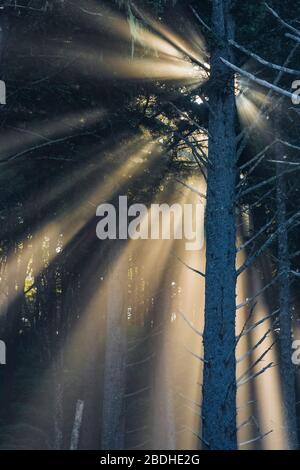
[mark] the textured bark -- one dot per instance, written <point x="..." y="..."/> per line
<point x="288" y="379"/>
<point x="113" y="417"/>
<point x="219" y="380"/>
<point x="77" y="425"/>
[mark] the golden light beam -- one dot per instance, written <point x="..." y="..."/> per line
<point x="165" y="55"/>
<point x="262" y="395"/>
<point x="150" y="254"/>
<point x="66" y="226"/>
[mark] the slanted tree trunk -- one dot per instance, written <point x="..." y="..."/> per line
<point x="288" y="379"/>
<point x="113" y="416"/>
<point x="219" y="380"/>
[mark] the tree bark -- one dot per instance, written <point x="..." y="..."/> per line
<point x="219" y="378"/>
<point x="77" y="425"/>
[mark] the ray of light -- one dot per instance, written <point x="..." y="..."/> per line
<point x="164" y="54"/>
<point x="155" y="256"/>
<point x="259" y="399"/>
<point x="65" y="226"/>
<point x="250" y="99"/>
<point x="198" y="52"/>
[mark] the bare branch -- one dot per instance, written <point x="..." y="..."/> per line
<point x="257" y="156"/>
<point x="143" y="361"/>
<point x="265" y="62"/>
<point x="263" y="289"/>
<point x="186" y="116"/>
<point x="261" y="357"/>
<point x="294" y="255"/>
<point x="189" y="267"/>
<point x="138" y="392"/>
<point x="39" y="146"/>
<point x="190" y="323"/>
<point x="267" y="181"/>
<point x="254" y="376"/>
<point x="256" y="235"/>
<point x="188" y="400"/>
<point x="200" y="358"/>
<point x="191" y="188"/>
<point x="284" y="162"/>
<point x="291" y="36"/>
<point x="258" y="323"/>
<point x="255" y="439"/>
<point x="198" y="436"/>
<point x="253" y="348"/>
<point x="288" y="144"/>
<point x="284" y="23"/>
<point x="244" y="136"/>
<point x="259" y="81"/>
<point x="201" y="21"/>
<point x="265" y="245"/>
<point x="244" y="326"/>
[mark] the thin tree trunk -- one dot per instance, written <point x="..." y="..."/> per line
<point x="219" y="379"/>
<point x="288" y="378"/>
<point x="16" y="275"/>
<point x="4" y="28"/>
<point x="58" y="405"/>
<point x="77" y="425"/>
<point x="164" y="418"/>
<point x="164" y="429"/>
<point x="113" y="417"/>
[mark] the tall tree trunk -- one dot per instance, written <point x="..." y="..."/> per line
<point x="164" y="417"/>
<point x="58" y="415"/>
<point x="219" y="378"/>
<point x="288" y="379"/>
<point x="92" y="372"/>
<point x="4" y="28"/>
<point x="77" y="425"/>
<point x="113" y="416"/>
<point x="16" y="275"/>
<point x="164" y="429"/>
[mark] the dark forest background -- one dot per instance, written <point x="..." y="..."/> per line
<point x="100" y="334"/>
